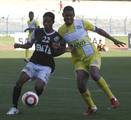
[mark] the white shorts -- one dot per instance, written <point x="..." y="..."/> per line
<point x="37" y="71"/>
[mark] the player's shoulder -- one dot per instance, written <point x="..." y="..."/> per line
<point x="38" y="31"/>
<point x="83" y="21"/>
<point x="36" y="21"/>
<point x="87" y="24"/>
<point x="28" y="21"/>
<point x="62" y="29"/>
<point x="56" y="32"/>
<point x="56" y="35"/>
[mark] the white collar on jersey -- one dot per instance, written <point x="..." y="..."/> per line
<point x="49" y="33"/>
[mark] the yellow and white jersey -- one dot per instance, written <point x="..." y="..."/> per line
<point x="77" y="36"/>
<point x="32" y="24"/>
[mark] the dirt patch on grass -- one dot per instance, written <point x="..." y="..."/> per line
<point x="114" y="47"/>
<point x="6" y="47"/>
<point x="111" y="47"/>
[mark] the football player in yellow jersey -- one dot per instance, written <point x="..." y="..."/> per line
<point x="32" y="24"/>
<point x="85" y="57"/>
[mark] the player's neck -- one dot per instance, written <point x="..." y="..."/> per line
<point x="48" y="30"/>
<point x="31" y="19"/>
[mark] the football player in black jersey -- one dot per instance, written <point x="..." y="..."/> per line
<point x="41" y="64"/>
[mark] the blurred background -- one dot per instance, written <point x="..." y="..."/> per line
<point x="112" y="16"/>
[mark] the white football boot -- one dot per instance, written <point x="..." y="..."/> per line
<point x="13" y="111"/>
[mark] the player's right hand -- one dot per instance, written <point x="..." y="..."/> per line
<point x="119" y="43"/>
<point x="16" y="45"/>
<point x="70" y="48"/>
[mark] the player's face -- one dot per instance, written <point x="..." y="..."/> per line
<point x="31" y="16"/>
<point x="48" y="23"/>
<point x="68" y="17"/>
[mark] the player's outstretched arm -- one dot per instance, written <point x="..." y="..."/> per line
<point x="24" y="46"/>
<point x="105" y="34"/>
<point x="26" y="29"/>
<point x="29" y="29"/>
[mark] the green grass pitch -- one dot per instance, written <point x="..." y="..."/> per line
<point x="61" y="100"/>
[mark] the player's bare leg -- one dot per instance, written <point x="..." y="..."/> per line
<point x="39" y="86"/>
<point x="95" y="73"/>
<point x="16" y="93"/>
<point x="82" y="77"/>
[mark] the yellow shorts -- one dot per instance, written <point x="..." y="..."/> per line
<point x="86" y="62"/>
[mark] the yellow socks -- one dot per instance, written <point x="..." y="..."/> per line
<point x="26" y="54"/>
<point x="102" y="83"/>
<point x="87" y="98"/>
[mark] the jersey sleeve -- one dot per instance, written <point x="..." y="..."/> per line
<point x="88" y="25"/>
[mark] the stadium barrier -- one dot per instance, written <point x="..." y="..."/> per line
<point x="129" y="41"/>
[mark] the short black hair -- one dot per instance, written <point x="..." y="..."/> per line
<point x="50" y="14"/>
<point x="68" y="8"/>
<point x="31" y="12"/>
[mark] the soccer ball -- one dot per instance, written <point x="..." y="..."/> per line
<point x="30" y="99"/>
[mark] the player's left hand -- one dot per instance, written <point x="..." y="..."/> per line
<point x="119" y="43"/>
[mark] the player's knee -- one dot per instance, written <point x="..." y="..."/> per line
<point x="95" y="73"/>
<point x="81" y="84"/>
<point x="95" y="76"/>
<point x="39" y="90"/>
<point x="81" y="88"/>
<point x="17" y="88"/>
<point x="39" y="87"/>
<point x="19" y="84"/>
